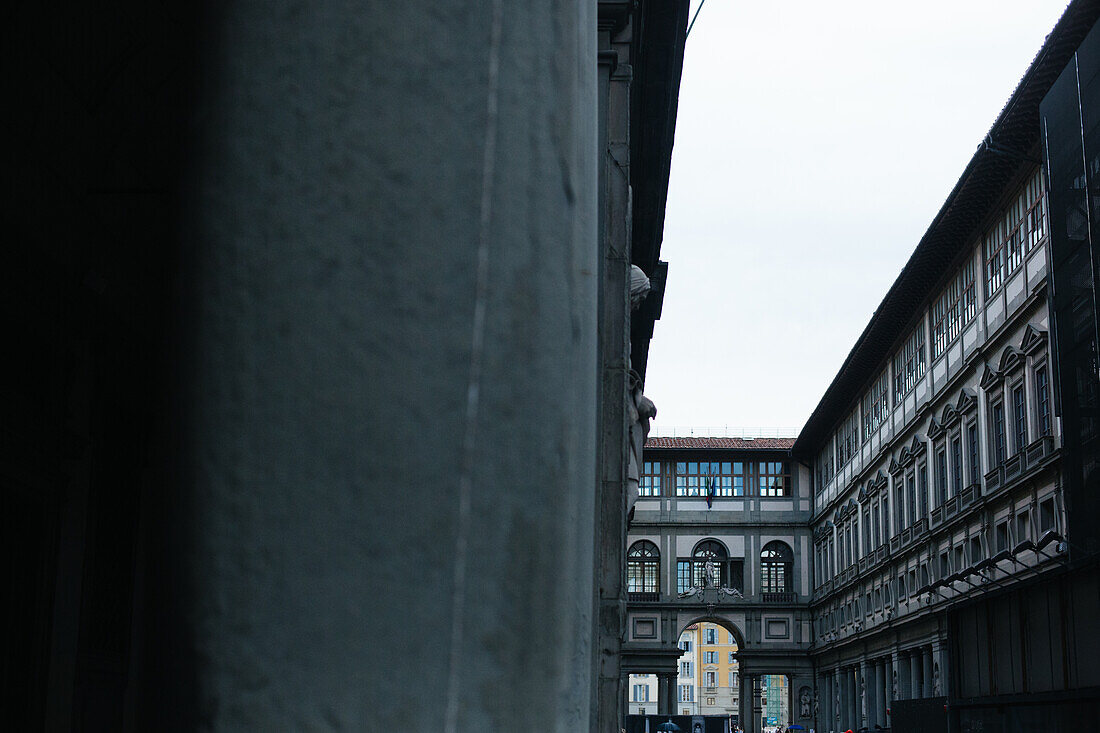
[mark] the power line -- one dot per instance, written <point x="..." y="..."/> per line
<point x="692" y="24"/>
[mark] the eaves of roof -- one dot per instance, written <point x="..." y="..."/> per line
<point x="703" y="443"/>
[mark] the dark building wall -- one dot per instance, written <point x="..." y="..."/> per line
<point x="99" y="97"/>
<point x="1070" y="119"/>
<point x="1028" y="657"/>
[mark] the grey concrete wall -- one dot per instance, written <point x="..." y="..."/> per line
<point x="392" y="421"/>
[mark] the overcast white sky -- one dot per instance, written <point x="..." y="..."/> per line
<point x="814" y="144"/>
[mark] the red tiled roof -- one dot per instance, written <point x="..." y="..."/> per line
<point x="735" y="443"/>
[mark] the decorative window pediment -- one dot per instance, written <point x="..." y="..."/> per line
<point x="990" y="378"/>
<point x="880" y="481"/>
<point x="967" y="401"/>
<point x="1011" y="360"/>
<point x="935" y="429"/>
<point x="948" y="417"/>
<point x="917" y="447"/>
<point x="1034" y="339"/>
<point x="896" y="464"/>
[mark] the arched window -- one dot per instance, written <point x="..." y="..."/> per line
<point x="692" y="572"/>
<point x="643" y="569"/>
<point x="776" y="561"/>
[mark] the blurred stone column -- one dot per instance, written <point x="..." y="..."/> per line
<point x="666" y="693"/>
<point x="386" y="443"/>
<point x="926" y="670"/>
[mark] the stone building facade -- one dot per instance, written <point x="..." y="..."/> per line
<point x="946" y="594"/>
<point x="720" y="539"/>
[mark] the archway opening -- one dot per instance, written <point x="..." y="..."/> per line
<point x="707" y="683"/>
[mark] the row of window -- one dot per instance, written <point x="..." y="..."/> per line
<point x="955" y="308"/>
<point x="1015" y="233"/>
<point x="951" y="559"/>
<point x="956" y="464"/>
<point x="709" y="657"/>
<point x="716" y="478"/>
<point x="708" y="566"/>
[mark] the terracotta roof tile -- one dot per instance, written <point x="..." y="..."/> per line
<point x="727" y="443"/>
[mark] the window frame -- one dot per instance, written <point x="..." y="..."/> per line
<point x="643" y="562"/>
<point x="1018" y="394"/>
<point x="909" y="364"/>
<point x="1044" y="421"/>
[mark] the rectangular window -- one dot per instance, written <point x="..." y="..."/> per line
<point x="956" y="464"/>
<point x="1002" y="536"/>
<point x="683" y="575"/>
<point x="909" y="364"/>
<point x="899" y="506"/>
<point x="997" y="425"/>
<point x="975" y="549"/>
<point x="876" y="536"/>
<point x="733" y="679"/>
<point x="685" y="669"/>
<point x="642" y="575"/>
<point x="1046" y="515"/>
<point x="1019" y="418"/>
<point x="975" y="457"/>
<point x="774" y="478"/>
<point x="911" y="497"/>
<point x="1014" y="234"/>
<point x="651" y="479"/>
<point x="959" y="562"/>
<point x="730" y="637"/>
<point x="710" y="679"/>
<point x="941" y="476"/>
<point x="994" y="256"/>
<point x="685" y="645"/>
<point x="885" y="518"/>
<point x="710" y="657"/>
<point x="1023" y="526"/>
<point x="1042" y="400"/>
<point x="710" y="636"/>
<point x="847" y="440"/>
<point x="641" y="693"/>
<point x="1035" y="218"/>
<point x="866" y="531"/>
<point x="825" y="466"/>
<point x="729" y="659"/>
<point x="944" y="571"/>
<point x="687" y="693"/>
<point x="710" y="478"/>
<point x="922" y="491"/>
<point x="876" y="405"/>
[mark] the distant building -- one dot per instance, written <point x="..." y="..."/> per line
<point x="719" y="551"/>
